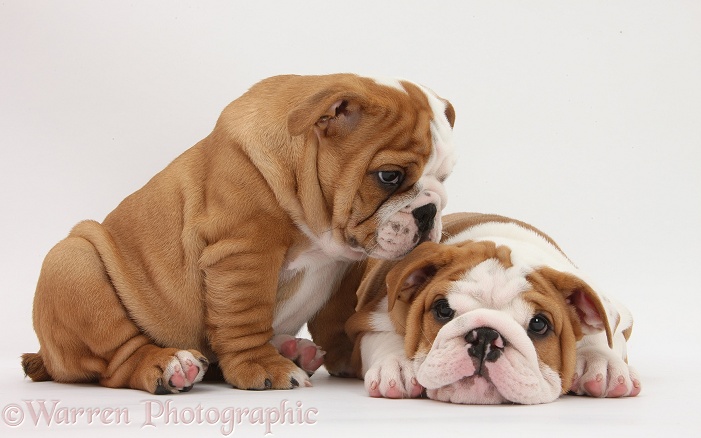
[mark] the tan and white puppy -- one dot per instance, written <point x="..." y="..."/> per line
<point x="495" y="314"/>
<point x="245" y="236"/>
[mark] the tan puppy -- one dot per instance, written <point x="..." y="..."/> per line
<point x="245" y="236"/>
<point x="494" y="314"/>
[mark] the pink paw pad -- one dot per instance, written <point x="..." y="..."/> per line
<point x="374" y="390"/>
<point x="303" y="352"/>
<point x="393" y="391"/>
<point x="636" y="388"/>
<point x="595" y="388"/>
<point x="416" y="389"/>
<point x="620" y="389"/>
<point x="183" y="371"/>
<point x="178" y="379"/>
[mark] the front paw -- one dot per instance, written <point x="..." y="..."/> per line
<point x="262" y="368"/>
<point x="599" y="372"/>
<point x="393" y="377"/>
<point x="303" y="352"/>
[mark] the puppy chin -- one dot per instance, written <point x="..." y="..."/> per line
<point x="498" y="386"/>
<point x="393" y="244"/>
<point x="470" y="391"/>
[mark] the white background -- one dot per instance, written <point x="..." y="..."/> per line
<point x="582" y="118"/>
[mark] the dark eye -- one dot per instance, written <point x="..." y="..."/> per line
<point x="390" y="178"/>
<point x="539" y="325"/>
<point x="442" y="311"/>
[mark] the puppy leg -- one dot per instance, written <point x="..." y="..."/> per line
<point x="388" y="372"/>
<point x="328" y="326"/>
<point x="86" y="335"/>
<point x="241" y="297"/>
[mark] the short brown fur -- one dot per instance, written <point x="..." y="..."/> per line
<point x="192" y="260"/>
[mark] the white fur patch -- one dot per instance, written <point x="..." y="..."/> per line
<point x="317" y="285"/>
<point x="324" y="247"/>
<point x="443" y="158"/>
<point x="490" y="285"/>
<point x="378" y="347"/>
<point x="529" y="250"/>
<point x="390" y="82"/>
<point x="379" y="319"/>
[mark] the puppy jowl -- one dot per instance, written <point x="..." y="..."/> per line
<point x="244" y="237"/>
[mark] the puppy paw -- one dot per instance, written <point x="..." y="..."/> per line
<point x="393" y="377"/>
<point x="599" y="372"/>
<point x="186" y="368"/>
<point x="303" y="352"/>
<point x="262" y="369"/>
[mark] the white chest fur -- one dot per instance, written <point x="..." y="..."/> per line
<point x="304" y="289"/>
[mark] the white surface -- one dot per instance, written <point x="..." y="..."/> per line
<point x="582" y="118"/>
<point x="340" y="407"/>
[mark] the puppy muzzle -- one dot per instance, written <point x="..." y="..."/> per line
<point x="405" y="229"/>
<point x="485" y="357"/>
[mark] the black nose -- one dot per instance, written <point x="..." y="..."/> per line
<point x="485" y="345"/>
<point x="424" y="217"/>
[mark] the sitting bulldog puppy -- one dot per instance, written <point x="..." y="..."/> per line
<point x="244" y="237"/>
<point x="496" y="313"/>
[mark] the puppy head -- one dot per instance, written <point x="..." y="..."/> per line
<point x="383" y="152"/>
<point x="482" y="331"/>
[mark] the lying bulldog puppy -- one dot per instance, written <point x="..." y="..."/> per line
<point x="245" y="236"/>
<point x="495" y="314"/>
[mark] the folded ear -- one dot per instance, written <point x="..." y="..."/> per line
<point x="330" y="112"/>
<point x="426" y="261"/>
<point x="415" y="270"/>
<point x="450" y="113"/>
<point x="590" y="308"/>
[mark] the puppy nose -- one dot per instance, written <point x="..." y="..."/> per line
<point x="424" y="217"/>
<point x="485" y="345"/>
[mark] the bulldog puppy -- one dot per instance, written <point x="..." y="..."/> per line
<point x="495" y="314"/>
<point x="245" y="236"/>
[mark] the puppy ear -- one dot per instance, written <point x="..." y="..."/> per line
<point x="589" y="306"/>
<point x="331" y="113"/>
<point x="450" y="113"/>
<point x="409" y="276"/>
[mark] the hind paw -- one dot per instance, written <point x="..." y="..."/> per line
<point x="303" y="352"/>
<point x="181" y="373"/>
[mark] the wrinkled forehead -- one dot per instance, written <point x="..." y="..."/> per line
<point x="442" y="158"/>
<point x="490" y="285"/>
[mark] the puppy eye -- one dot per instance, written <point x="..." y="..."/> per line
<point x="390" y="178"/>
<point x="442" y="311"/>
<point x="539" y="325"/>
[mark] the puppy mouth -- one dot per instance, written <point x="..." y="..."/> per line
<point x="425" y="237"/>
